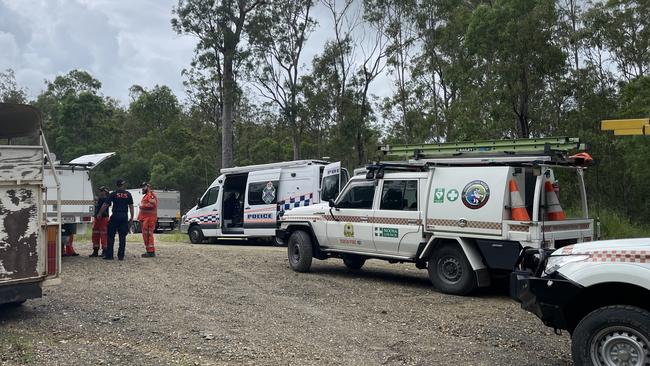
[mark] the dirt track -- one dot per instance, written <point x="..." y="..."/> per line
<point x="234" y="304"/>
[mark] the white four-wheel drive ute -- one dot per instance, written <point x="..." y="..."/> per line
<point x="464" y="216"/>
<point x="598" y="291"/>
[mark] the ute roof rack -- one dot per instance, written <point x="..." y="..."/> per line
<point x="541" y="146"/>
<point x="548" y="149"/>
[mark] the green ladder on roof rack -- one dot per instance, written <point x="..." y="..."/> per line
<point x="547" y="145"/>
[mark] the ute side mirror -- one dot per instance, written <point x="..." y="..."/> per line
<point x="332" y="204"/>
<point x="198" y="202"/>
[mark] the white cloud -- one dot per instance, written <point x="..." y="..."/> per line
<point x="119" y="42"/>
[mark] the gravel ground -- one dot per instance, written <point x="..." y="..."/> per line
<point x="234" y="304"/>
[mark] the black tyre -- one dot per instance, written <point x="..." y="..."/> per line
<point x="613" y="335"/>
<point x="300" y="251"/>
<point x="278" y="242"/>
<point x="16" y="303"/>
<point x="354" y="262"/>
<point x="450" y="271"/>
<point x="196" y="235"/>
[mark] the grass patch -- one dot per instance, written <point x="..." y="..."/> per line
<point x="15" y="349"/>
<point x="616" y="226"/>
<point x="172" y="237"/>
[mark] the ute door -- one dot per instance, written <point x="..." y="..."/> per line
<point x="332" y="182"/>
<point x="397" y="222"/>
<point x="350" y="227"/>
<point x="261" y="203"/>
<point x="206" y="213"/>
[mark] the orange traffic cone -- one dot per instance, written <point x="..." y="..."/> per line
<point x="554" y="211"/>
<point x="517" y="207"/>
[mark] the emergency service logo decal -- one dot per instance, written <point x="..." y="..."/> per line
<point x="268" y="193"/>
<point x="475" y="194"/>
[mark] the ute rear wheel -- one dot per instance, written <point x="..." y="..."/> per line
<point x="300" y="251"/>
<point x="450" y="271"/>
<point x="196" y="235"/>
<point x="613" y="335"/>
<point x="354" y="262"/>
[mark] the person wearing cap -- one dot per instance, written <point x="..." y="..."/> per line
<point x="119" y="222"/>
<point x="100" y="224"/>
<point x="148" y="217"/>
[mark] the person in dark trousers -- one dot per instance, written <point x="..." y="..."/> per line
<point x="120" y="221"/>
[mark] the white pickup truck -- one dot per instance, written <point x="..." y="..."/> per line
<point x="598" y="291"/>
<point x="452" y="216"/>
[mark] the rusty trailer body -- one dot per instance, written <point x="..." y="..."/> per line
<point x="29" y="244"/>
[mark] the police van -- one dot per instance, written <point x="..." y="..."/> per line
<point x="245" y="202"/>
<point x="462" y="211"/>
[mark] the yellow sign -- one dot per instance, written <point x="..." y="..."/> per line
<point x="627" y="127"/>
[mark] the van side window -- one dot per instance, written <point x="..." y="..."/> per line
<point x="399" y="195"/>
<point x="358" y="196"/>
<point x="263" y="193"/>
<point x="210" y="197"/>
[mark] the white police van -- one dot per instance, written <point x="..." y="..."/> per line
<point x="245" y="202"/>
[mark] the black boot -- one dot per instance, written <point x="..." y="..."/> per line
<point x="95" y="253"/>
<point x="148" y="255"/>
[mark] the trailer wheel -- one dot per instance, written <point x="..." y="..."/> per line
<point x="300" y="251"/>
<point x="354" y="262"/>
<point x="196" y="235"/>
<point x="613" y="335"/>
<point x="450" y="271"/>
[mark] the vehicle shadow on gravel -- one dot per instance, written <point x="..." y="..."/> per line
<point x="11" y="312"/>
<point x="414" y="280"/>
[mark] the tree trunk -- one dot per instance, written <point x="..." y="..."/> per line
<point x="227" y="115"/>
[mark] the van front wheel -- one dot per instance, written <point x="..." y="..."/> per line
<point x="196" y="235"/>
<point x="450" y="271"/>
<point x="300" y="251"/>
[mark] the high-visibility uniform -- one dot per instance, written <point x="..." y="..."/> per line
<point x="100" y="227"/>
<point x="148" y="216"/>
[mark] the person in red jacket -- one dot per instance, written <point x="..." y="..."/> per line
<point x="148" y="217"/>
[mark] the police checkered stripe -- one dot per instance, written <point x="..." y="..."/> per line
<point x="370" y="220"/>
<point x="205" y="219"/>
<point x="299" y="218"/>
<point x="470" y="224"/>
<point x="297" y="201"/>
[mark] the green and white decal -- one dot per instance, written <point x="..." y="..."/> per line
<point x="439" y="195"/>
<point x="387" y="232"/>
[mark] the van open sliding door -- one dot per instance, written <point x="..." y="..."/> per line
<point x="261" y="204"/>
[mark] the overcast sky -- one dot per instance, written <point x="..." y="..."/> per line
<point x="120" y="42"/>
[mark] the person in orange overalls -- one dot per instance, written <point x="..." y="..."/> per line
<point x="148" y="217"/>
<point x="100" y="225"/>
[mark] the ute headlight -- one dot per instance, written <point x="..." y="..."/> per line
<point x="555" y="262"/>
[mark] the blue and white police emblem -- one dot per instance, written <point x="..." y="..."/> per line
<point x="268" y="193"/>
<point x="475" y="194"/>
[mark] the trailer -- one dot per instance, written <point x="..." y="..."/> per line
<point x="169" y="209"/>
<point x="30" y="250"/>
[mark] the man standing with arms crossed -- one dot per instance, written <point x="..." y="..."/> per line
<point x="121" y="200"/>
<point x="100" y="225"/>
<point x="148" y="217"/>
